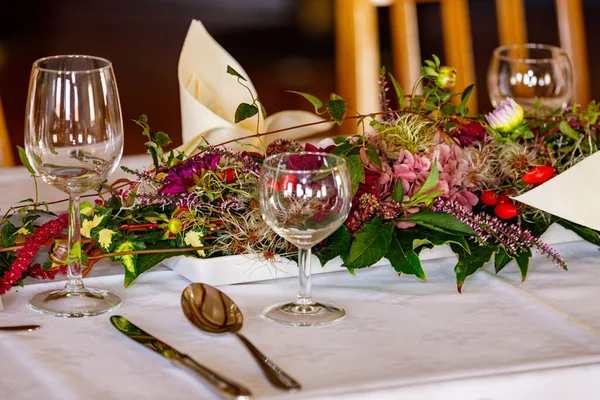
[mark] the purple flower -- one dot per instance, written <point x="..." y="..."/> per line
<point x="183" y="175"/>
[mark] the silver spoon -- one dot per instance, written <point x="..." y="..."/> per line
<point x="213" y="311"/>
<point x="29" y="328"/>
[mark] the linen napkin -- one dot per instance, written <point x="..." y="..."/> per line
<point x="210" y="97"/>
<point x="573" y="195"/>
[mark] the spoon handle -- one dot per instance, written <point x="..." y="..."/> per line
<point x="274" y="374"/>
<point x="20" y="328"/>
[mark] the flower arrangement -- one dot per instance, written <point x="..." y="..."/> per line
<point x="424" y="173"/>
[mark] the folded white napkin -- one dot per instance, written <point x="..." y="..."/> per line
<point x="573" y="195"/>
<point x="210" y="97"/>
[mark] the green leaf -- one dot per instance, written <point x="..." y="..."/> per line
<point x="398" y="193"/>
<point x="25" y="160"/>
<point x="399" y="92"/>
<point x="263" y="111"/>
<point x="357" y="171"/>
<point x="583" y="232"/>
<point x="373" y="156"/>
<point x="566" y="130"/>
<point x="441" y="222"/>
<point x="313" y="99"/>
<point x="162" y="139"/>
<point x="464" y="98"/>
<point x="8" y="235"/>
<point x="467" y="263"/>
<point x="431" y="182"/>
<point x="402" y="256"/>
<point x="337" y="244"/>
<point x="501" y="259"/>
<point x="129" y="261"/>
<point x="370" y="244"/>
<point x="337" y="110"/>
<point x="145" y="262"/>
<point x="523" y="262"/>
<point x="437" y="238"/>
<point x="245" y="111"/>
<point x="436" y="59"/>
<point x="233" y="72"/>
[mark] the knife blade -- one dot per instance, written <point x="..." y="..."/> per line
<point x="223" y="386"/>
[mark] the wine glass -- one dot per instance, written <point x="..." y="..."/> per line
<point x="534" y="75"/>
<point x="73" y="140"/>
<point x="304" y="197"/>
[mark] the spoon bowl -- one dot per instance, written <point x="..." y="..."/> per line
<point x="212" y="311"/>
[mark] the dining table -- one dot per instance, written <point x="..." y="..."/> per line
<point x="402" y="338"/>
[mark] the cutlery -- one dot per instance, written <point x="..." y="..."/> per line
<point x="29" y="328"/>
<point x="223" y="386"/>
<point x="213" y="311"/>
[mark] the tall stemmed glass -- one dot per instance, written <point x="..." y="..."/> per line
<point x="304" y="198"/>
<point x="73" y="140"/>
<point x="532" y="74"/>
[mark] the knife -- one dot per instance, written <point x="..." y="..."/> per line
<point x="223" y="386"/>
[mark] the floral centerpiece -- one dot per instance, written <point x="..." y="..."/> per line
<point x="424" y="173"/>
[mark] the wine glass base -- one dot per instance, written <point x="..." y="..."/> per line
<point x="86" y="303"/>
<point x="304" y="315"/>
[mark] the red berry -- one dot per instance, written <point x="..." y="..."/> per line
<point x="505" y="211"/>
<point x="288" y="182"/>
<point x="229" y="175"/>
<point x="538" y="175"/>
<point x="502" y="198"/>
<point x="489" y="198"/>
<point x="273" y="184"/>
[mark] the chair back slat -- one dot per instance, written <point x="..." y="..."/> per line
<point x="6" y="156"/>
<point x="456" y="27"/>
<point x="357" y="53"/>
<point x="572" y="39"/>
<point x="511" y="22"/>
<point x="405" y="43"/>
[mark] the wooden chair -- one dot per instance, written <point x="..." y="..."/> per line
<point x="6" y="155"/>
<point x="357" y="44"/>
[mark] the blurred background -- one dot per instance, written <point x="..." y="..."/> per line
<point x="282" y="44"/>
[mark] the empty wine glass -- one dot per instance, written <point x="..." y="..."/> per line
<point x="534" y="75"/>
<point x="73" y="140"/>
<point x="304" y="198"/>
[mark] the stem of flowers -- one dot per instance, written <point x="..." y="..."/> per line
<point x="150" y="251"/>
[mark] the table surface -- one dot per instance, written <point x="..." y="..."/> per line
<point x="402" y="338"/>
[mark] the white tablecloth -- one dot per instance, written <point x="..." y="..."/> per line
<point x="402" y="338"/>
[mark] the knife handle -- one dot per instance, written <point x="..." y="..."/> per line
<point x="224" y="387"/>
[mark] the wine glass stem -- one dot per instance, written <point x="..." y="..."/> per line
<point x="304" y="278"/>
<point x="75" y="282"/>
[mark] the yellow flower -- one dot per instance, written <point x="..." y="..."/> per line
<point x="105" y="238"/>
<point x="23" y="231"/>
<point x="446" y="78"/>
<point x="87" y="225"/>
<point x="194" y="239"/>
<point x="506" y="117"/>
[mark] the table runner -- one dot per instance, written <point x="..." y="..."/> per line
<point x="500" y="339"/>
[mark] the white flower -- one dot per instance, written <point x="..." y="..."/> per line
<point x="506" y="117"/>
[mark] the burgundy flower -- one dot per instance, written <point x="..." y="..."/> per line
<point x="470" y="132"/>
<point x="312" y="147"/>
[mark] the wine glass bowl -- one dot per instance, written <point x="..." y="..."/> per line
<point x="73" y="141"/>
<point x="304" y="197"/>
<point x="534" y="75"/>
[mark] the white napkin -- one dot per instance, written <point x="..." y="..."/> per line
<point x="210" y="96"/>
<point x="573" y="195"/>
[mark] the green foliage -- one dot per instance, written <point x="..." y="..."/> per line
<point x="245" y="111"/>
<point x="441" y="222"/>
<point x="469" y="263"/>
<point x="402" y="256"/>
<point x="370" y="244"/>
<point x="336" y="245"/>
<point x="25" y="160"/>
<point x="357" y="171"/>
